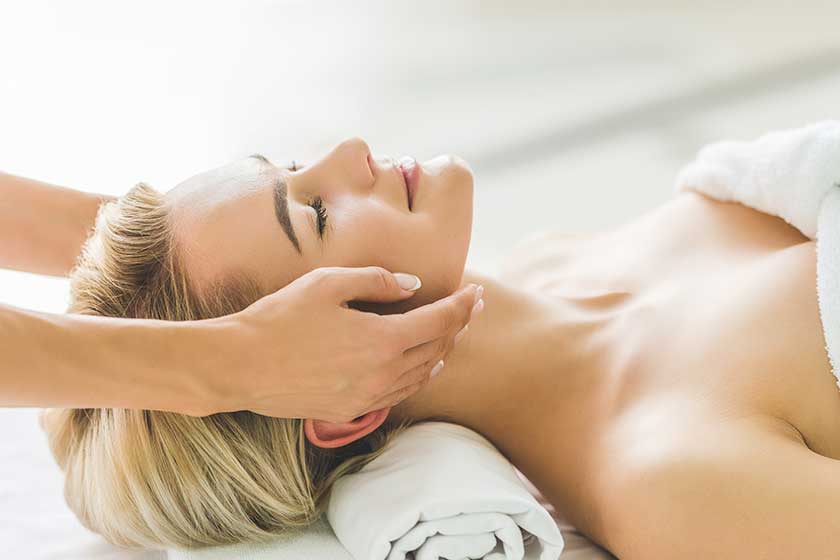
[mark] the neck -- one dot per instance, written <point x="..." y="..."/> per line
<point x="525" y="358"/>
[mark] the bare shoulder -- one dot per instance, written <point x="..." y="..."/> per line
<point x="720" y="487"/>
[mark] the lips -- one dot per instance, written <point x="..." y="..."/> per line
<point x="411" y="173"/>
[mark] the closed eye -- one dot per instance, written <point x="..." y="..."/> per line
<point x="321" y="213"/>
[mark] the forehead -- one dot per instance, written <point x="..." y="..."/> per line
<point x="218" y="186"/>
<point x="224" y="226"/>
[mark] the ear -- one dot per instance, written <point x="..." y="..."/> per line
<point x="336" y="434"/>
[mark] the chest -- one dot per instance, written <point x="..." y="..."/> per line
<point x="723" y="306"/>
<point x="689" y="238"/>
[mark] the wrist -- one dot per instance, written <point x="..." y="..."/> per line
<point x="216" y="365"/>
<point x="176" y="357"/>
<point x="187" y="354"/>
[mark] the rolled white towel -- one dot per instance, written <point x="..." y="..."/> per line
<point x="786" y="173"/>
<point x="793" y="174"/>
<point x="440" y="490"/>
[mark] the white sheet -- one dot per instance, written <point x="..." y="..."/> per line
<point x="35" y="524"/>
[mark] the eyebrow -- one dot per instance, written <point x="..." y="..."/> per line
<point x="281" y="207"/>
<point x="281" y="210"/>
<point x="260" y="157"/>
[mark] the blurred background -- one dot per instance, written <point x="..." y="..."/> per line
<point x="575" y="116"/>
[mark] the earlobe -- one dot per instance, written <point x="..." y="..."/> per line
<point x="337" y="434"/>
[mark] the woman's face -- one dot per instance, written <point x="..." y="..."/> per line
<point x="229" y="221"/>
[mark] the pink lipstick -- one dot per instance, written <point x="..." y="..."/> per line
<point x="411" y="173"/>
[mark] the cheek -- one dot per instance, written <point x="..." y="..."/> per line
<point x="423" y="247"/>
<point x="417" y="244"/>
<point x="387" y="239"/>
<point x="366" y="237"/>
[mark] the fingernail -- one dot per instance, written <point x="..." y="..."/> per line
<point x="478" y="307"/>
<point x="461" y="333"/>
<point x="437" y="368"/>
<point x="478" y="293"/>
<point x="408" y="281"/>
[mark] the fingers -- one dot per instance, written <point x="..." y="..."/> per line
<point x="423" y="362"/>
<point x="369" y="283"/>
<point x="407" y="384"/>
<point x="399" y="395"/>
<point x="428" y="352"/>
<point x="437" y="319"/>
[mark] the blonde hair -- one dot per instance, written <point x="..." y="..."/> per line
<point x="149" y="478"/>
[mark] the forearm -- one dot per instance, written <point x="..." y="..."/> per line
<point x="92" y="362"/>
<point x="43" y="226"/>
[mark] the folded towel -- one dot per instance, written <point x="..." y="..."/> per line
<point x="440" y="490"/>
<point x="786" y="173"/>
<point x="793" y="174"/>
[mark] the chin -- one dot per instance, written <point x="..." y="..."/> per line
<point x="456" y="259"/>
<point x="455" y="170"/>
<point x="462" y="164"/>
<point x="461" y="240"/>
<point x="451" y="170"/>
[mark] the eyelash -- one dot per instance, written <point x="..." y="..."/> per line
<point x="318" y="205"/>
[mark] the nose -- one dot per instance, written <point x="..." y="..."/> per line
<point x="354" y="154"/>
<point x="355" y="145"/>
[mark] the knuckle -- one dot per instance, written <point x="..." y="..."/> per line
<point x="414" y="388"/>
<point x="383" y="277"/>
<point x="434" y="351"/>
<point x="465" y="309"/>
<point x="403" y="394"/>
<point x="420" y="373"/>
<point x="322" y="276"/>
<point x="395" y="342"/>
<point x="425" y="376"/>
<point x="447" y="318"/>
<point x="455" y="316"/>
<point x="441" y="346"/>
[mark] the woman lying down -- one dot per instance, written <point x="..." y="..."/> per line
<point x="665" y="383"/>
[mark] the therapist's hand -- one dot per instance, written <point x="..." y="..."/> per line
<point x="303" y="353"/>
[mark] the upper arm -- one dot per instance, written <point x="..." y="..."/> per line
<point x="738" y="490"/>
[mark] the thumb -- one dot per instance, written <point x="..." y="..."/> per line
<point x="373" y="284"/>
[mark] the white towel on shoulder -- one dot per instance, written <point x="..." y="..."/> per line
<point x="440" y="490"/>
<point x="793" y="174"/>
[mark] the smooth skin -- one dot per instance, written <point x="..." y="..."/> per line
<point x="247" y="361"/>
<point x="346" y="209"/>
<point x="664" y="384"/>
